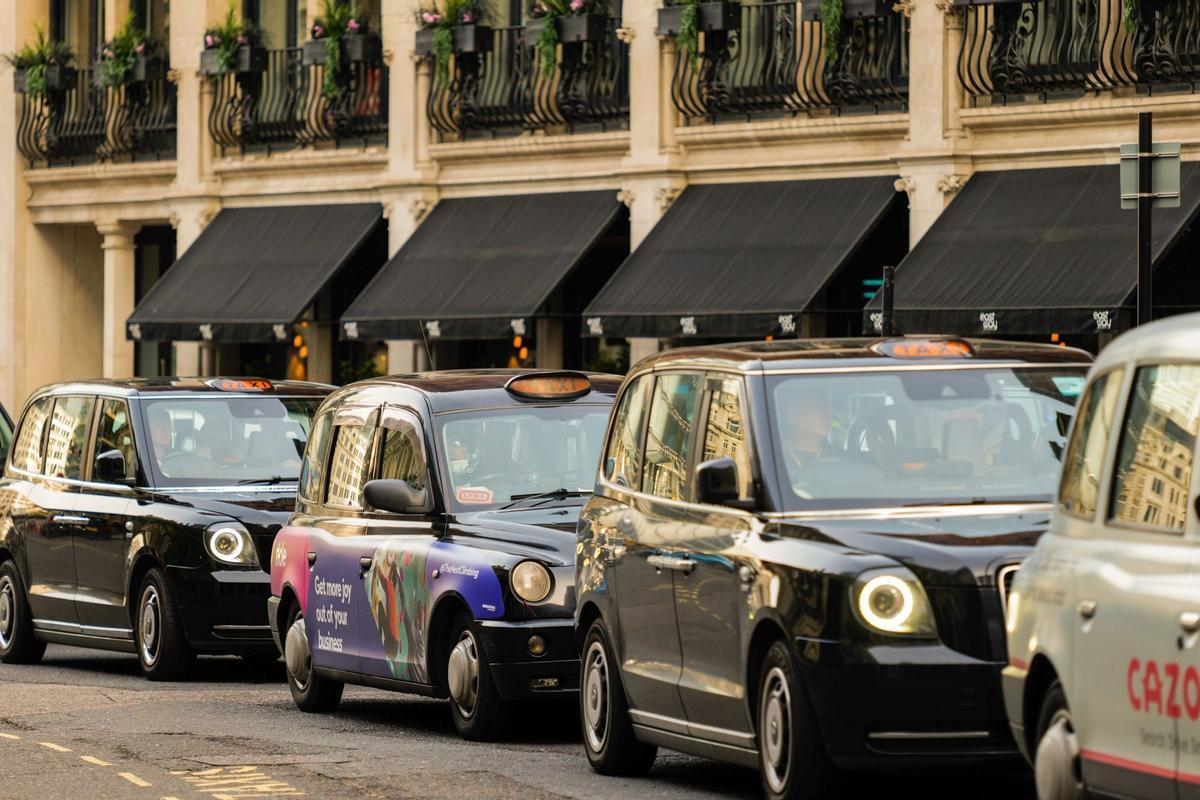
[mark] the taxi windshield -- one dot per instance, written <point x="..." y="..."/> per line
<point x="922" y="437"/>
<point x="219" y="441"/>
<point x="499" y="457"/>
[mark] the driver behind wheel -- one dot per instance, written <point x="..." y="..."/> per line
<point x="807" y="423"/>
<point x="159" y="422"/>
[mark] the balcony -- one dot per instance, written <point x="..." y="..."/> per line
<point x="498" y="89"/>
<point x="86" y="123"/>
<point x="1021" y="51"/>
<point x="285" y="105"/>
<point x="768" y="59"/>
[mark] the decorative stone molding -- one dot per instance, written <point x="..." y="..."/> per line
<point x="174" y="220"/>
<point x="626" y="197"/>
<point x="205" y="216"/>
<point x="419" y="208"/>
<point x="906" y="184"/>
<point x="389" y="56"/>
<point x="174" y="76"/>
<point x="626" y="34"/>
<point x="951" y="184"/>
<point x="666" y="196"/>
<point x="117" y="235"/>
<point x="904" y="7"/>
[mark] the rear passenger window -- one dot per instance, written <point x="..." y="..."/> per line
<point x="725" y="435"/>
<point x="1080" y="486"/>
<point x="1153" y="474"/>
<point x="623" y="462"/>
<point x="27" y="451"/>
<point x="68" y="438"/>
<point x="673" y="412"/>
<point x="314" y="457"/>
<point x="348" y="465"/>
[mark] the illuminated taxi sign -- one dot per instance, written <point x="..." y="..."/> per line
<point x="550" y="385"/>
<point x="241" y="384"/>
<point x="925" y="348"/>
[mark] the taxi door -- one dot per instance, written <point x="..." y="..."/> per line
<point x="1134" y="581"/>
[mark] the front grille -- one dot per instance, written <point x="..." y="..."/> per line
<point x="1004" y="582"/>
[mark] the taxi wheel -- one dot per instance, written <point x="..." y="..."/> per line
<point x="791" y="755"/>
<point x="310" y="691"/>
<point x="17" y="644"/>
<point x="162" y="648"/>
<point x="478" y="711"/>
<point x="608" y="738"/>
<point x="1056" y="761"/>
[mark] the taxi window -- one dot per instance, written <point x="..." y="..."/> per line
<point x="725" y="436"/>
<point x="623" y="463"/>
<point x="1153" y="476"/>
<point x="27" y="452"/>
<point x="68" y="438"/>
<point x="1079" y="489"/>
<point x="114" y="433"/>
<point x="314" y="457"/>
<point x="673" y="412"/>
<point x="348" y="466"/>
<point x="403" y="455"/>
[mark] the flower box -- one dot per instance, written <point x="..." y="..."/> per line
<point x="424" y="45"/>
<point x="147" y="69"/>
<point x="246" y="59"/>
<point x="532" y="31"/>
<point x="721" y="16"/>
<point x="58" y="79"/>
<point x="582" y="27"/>
<point x="362" y="47"/>
<point x="19" y="81"/>
<point x="472" y="38"/>
<point x="312" y="53"/>
<point x="811" y="9"/>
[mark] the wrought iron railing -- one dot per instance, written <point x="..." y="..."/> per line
<point x="286" y="105"/>
<point x="503" y="91"/>
<point x="89" y="123"/>
<point x="1045" y="48"/>
<point x="774" y="62"/>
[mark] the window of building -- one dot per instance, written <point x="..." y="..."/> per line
<point x="1084" y="461"/>
<point x="67" y="440"/>
<point x="673" y="412"/>
<point x="1163" y="417"/>
<point x="114" y="433"/>
<point x="348" y="465"/>
<point x="314" y="457"/>
<point x="27" y="452"/>
<point x="623" y="462"/>
<point x="403" y="456"/>
<point x="723" y="436"/>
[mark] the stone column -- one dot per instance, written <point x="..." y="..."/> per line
<point x="406" y="355"/>
<point x="192" y="358"/>
<point x="119" y="276"/>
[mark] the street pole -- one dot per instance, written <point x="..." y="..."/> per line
<point x="888" y="326"/>
<point x="1145" y="278"/>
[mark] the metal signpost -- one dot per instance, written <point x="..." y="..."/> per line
<point x="1149" y="179"/>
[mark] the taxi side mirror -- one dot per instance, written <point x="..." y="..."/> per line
<point x="395" y="496"/>
<point x="110" y="468"/>
<point x="717" y="484"/>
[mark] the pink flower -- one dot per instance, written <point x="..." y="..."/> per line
<point x="141" y="48"/>
<point x="468" y="17"/>
<point x="209" y="41"/>
<point x="318" y="31"/>
<point x="108" y="53"/>
<point x="353" y="26"/>
<point x="577" y="5"/>
<point x="243" y="39"/>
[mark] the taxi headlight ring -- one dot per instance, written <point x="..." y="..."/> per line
<point x="531" y="581"/>
<point x="230" y="543"/>
<point x="893" y="602"/>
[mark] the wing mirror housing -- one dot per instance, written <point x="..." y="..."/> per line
<point x="110" y="467"/>
<point x="394" y="496"/>
<point x="717" y="484"/>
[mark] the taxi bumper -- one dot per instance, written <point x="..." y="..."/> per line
<point x="1012" y="682"/>
<point x="520" y="675"/>
<point x="223" y="611"/>
<point x="907" y="706"/>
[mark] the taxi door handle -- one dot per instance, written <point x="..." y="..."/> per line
<point x="365" y="562"/>
<point x="69" y="519"/>
<point x="1189" y="621"/>
<point x="1087" y="609"/>
<point x="684" y="565"/>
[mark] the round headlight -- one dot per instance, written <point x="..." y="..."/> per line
<point x="230" y="543"/>
<point x="531" y="581"/>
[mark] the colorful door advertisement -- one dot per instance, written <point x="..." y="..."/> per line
<point x="335" y="609"/>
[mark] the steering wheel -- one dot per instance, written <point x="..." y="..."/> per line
<point x="871" y="436"/>
<point x="179" y="460"/>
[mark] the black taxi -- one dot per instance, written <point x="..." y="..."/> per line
<point x="432" y="549"/>
<point x="133" y="515"/>
<point x="797" y="552"/>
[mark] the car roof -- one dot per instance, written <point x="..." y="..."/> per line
<point x="456" y="390"/>
<point x="135" y="387"/>
<point x="783" y="355"/>
<point x="1172" y="339"/>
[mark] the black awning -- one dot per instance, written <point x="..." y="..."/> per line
<point x="252" y="273"/>
<point x="480" y="267"/>
<point x="1029" y="252"/>
<point x="739" y="260"/>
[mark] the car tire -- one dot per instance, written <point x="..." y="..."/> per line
<point x="608" y="739"/>
<point x="792" y="758"/>
<point x="162" y="647"/>
<point x="1056" y="767"/>
<point x="311" y="692"/>
<point x="17" y="642"/>
<point x="478" y="711"/>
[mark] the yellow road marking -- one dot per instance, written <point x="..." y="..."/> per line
<point x="8" y="736"/>
<point x="238" y="782"/>
<point x="94" y="760"/>
<point x="134" y="779"/>
<point x="58" y="748"/>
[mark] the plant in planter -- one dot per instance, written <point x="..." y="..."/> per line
<point x="334" y="42"/>
<point x="42" y="66"/>
<point x="685" y="19"/>
<point x="233" y="46"/>
<point x="552" y="21"/>
<point x="130" y="57"/>
<point x="832" y="13"/>
<point x="454" y="26"/>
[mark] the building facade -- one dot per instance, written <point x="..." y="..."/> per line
<point x="726" y="154"/>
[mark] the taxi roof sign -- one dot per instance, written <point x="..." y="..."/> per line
<point x="925" y="348"/>
<point x="241" y="384"/>
<point x="549" y="385"/>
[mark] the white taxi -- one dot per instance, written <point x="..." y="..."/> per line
<point x="1102" y="686"/>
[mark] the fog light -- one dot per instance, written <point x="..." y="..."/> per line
<point x="543" y="683"/>
<point x="537" y="645"/>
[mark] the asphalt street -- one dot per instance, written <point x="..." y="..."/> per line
<point x="85" y="724"/>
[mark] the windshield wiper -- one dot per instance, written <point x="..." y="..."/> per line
<point x="974" y="501"/>
<point x="271" y="481"/>
<point x="553" y="494"/>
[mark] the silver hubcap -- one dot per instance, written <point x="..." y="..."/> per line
<point x="776" y="733"/>
<point x="462" y="673"/>
<point x="297" y="655"/>
<point x="595" y="697"/>
<point x="149" y="625"/>
<point x="1056" y="766"/>
<point x="8" y="612"/>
